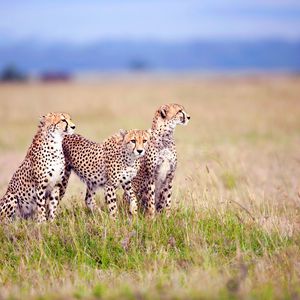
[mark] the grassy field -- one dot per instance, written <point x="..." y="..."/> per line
<point x="235" y="228"/>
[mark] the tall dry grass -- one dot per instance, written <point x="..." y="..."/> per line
<point x="235" y="228"/>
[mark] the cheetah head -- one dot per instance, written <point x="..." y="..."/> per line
<point x="171" y="115"/>
<point x="136" y="141"/>
<point x="57" y="122"/>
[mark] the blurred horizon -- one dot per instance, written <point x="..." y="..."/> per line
<point x="75" y="36"/>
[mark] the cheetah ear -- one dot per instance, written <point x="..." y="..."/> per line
<point x="163" y="111"/>
<point x="123" y="132"/>
<point x="42" y="120"/>
<point x="149" y="131"/>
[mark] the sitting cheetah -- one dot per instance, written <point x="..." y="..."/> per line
<point x="110" y="164"/>
<point x="40" y="175"/>
<point x="153" y="183"/>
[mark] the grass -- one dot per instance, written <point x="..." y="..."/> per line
<point x="234" y="231"/>
<point x="229" y="180"/>
<point x="81" y="245"/>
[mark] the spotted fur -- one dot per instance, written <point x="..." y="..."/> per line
<point x="35" y="186"/>
<point x="153" y="183"/>
<point x="110" y="164"/>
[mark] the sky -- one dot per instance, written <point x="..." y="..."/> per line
<point x="88" y="21"/>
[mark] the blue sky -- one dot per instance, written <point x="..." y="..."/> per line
<point x="86" y="21"/>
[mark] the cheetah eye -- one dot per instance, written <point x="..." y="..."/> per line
<point x="133" y="141"/>
<point x="64" y="120"/>
<point x="144" y="141"/>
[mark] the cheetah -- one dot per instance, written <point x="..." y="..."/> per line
<point x="153" y="183"/>
<point x="109" y="164"/>
<point x="35" y="186"/>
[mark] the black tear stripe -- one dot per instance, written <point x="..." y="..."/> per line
<point x="67" y="124"/>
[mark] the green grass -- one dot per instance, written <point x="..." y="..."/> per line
<point x="79" y="244"/>
<point x="229" y="180"/>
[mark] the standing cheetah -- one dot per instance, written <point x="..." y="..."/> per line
<point x="110" y="164"/>
<point x="153" y="183"/>
<point x="40" y="175"/>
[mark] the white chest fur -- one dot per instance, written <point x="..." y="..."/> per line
<point x="56" y="170"/>
<point x="129" y="173"/>
<point x="165" y="163"/>
<point x="56" y="164"/>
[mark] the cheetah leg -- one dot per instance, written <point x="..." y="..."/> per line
<point x="125" y="198"/>
<point x="142" y="196"/>
<point x="111" y="200"/>
<point x="41" y="204"/>
<point x="126" y="202"/>
<point x="164" y="201"/>
<point x="150" y="199"/>
<point x="127" y="187"/>
<point x="64" y="183"/>
<point x="8" y="206"/>
<point x="53" y="203"/>
<point x="89" y="198"/>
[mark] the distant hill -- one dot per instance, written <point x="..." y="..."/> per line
<point x="199" y="55"/>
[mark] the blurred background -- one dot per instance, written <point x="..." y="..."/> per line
<point x="61" y="40"/>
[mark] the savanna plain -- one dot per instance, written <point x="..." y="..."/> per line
<point x="234" y="232"/>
